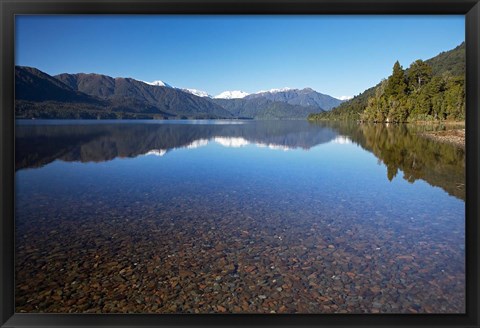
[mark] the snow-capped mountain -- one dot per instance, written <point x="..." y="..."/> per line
<point x="274" y="90"/>
<point x="236" y="94"/>
<point x="198" y="93"/>
<point x="156" y="152"/>
<point x="195" y="92"/>
<point x="306" y="97"/>
<point x="158" y="83"/>
<point x="303" y="97"/>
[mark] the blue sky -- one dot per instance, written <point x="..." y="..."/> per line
<point x="336" y="55"/>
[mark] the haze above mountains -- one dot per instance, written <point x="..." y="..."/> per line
<point x="39" y="95"/>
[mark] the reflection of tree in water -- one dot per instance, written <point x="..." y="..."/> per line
<point x="400" y="147"/>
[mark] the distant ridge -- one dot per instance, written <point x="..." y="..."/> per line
<point x="306" y="97"/>
<point x="39" y="95"/>
<point x="90" y="95"/>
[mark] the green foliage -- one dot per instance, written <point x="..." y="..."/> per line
<point x="455" y="98"/>
<point x="451" y="62"/>
<point x="429" y="90"/>
<point x="416" y="96"/>
<point x="419" y="74"/>
<point x="396" y="84"/>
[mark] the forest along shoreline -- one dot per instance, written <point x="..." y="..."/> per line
<point x="429" y="93"/>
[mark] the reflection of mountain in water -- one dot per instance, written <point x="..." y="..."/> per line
<point x="398" y="147"/>
<point x="231" y="142"/>
<point x="37" y="145"/>
<point x="401" y="148"/>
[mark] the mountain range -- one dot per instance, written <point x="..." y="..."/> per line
<point x="39" y="95"/>
<point x="304" y="97"/>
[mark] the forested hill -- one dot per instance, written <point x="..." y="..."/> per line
<point x="427" y="90"/>
<point x="451" y="62"/>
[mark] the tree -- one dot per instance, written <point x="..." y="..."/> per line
<point x="433" y="91"/>
<point x="376" y="107"/>
<point x="419" y="74"/>
<point x="396" y="83"/>
<point x="455" y="98"/>
<point x="398" y="111"/>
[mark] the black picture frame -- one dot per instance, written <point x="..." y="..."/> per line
<point x="10" y="8"/>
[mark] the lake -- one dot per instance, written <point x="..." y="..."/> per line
<point x="237" y="217"/>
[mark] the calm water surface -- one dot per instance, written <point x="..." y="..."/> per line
<point x="240" y="216"/>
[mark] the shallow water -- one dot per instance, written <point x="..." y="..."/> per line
<point x="239" y="217"/>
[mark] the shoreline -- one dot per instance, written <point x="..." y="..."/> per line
<point x="455" y="137"/>
<point x="446" y="123"/>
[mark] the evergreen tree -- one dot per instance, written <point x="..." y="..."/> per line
<point x="396" y="83"/>
<point x="455" y="98"/>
